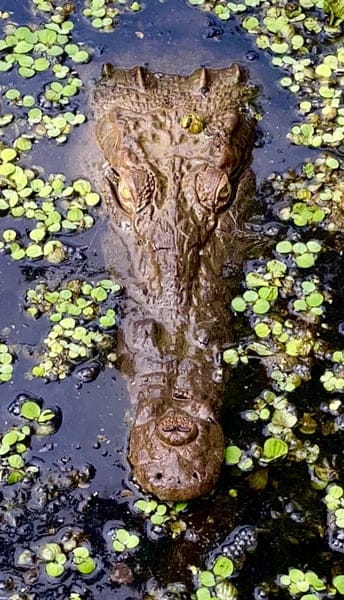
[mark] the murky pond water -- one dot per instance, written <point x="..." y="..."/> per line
<point x="267" y="515"/>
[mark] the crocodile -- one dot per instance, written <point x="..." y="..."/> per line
<point x="177" y="186"/>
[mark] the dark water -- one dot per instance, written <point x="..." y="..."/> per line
<point x="174" y="42"/>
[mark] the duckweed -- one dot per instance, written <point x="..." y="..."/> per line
<point x="54" y="559"/>
<point x="71" y="310"/>
<point x="299" y="582"/>
<point x="313" y="196"/>
<point x="214" y="580"/>
<point x="282" y="420"/>
<point x="6" y="363"/>
<point x="59" y="558"/>
<point x="274" y="448"/>
<point x="13" y="445"/>
<point x="34" y="50"/>
<point x="33" y="412"/>
<point x="59" y="94"/>
<point x="16" y="441"/>
<point x="232" y="455"/>
<point x="161" y="515"/>
<point x="82" y="560"/>
<point x="306" y="585"/>
<point x="289" y="34"/>
<point x="338" y="583"/>
<point x="123" y="540"/>
<point x="52" y="205"/>
<point x="102" y="14"/>
<point x="193" y="123"/>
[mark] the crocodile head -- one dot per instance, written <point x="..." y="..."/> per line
<point x="176" y="148"/>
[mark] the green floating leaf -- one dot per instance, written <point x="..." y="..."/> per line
<point x="133" y="541"/>
<point x="336" y="491"/>
<point x="338" y="583"/>
<point x="274" y="448"/>
<point x="122" y="535"/>
<point x="157" y="519"/>
<point x="305" y="261"/>
<point x="146" y="506"/>
<point x="232" y="455"/>
<point x="262" y="330"/>
<point x="118" y="546"/>
<point x="46" y="415"/>
<point x="80" y="553"/>
<point x="87" y="566"/>
<point x="261" y="307"/>
<point x="10" y="438"/>
<point x="54" y="569"/>
<point x="284" y="247"/>
<point x="34" y="251"/>
<point x="238" y="304"/>
<point x="81" y="56"/>
<point x="26" y="72"/>
<point x="207" y="578"/>
<point x="30" y="410"/>
<point x="315" y="299"/>
<point x="15" y="477"/>
<point x="8" y="154"/>
<point x="12" y="94"/>
<point x="223" y="567"/>
<point x="41" y="64"/>
<point x="203" y="594"/>
<point x="15" y="461"/>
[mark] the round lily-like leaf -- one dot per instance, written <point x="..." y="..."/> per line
<point x="30" y="410"/>
<point x="54" y="569"/>
<point x="87" y="566"/>
<point x="232" y="455"/>
<point x="207" y="578"/>
<point x="274" y="448"/>
<point x="223" y="567"/>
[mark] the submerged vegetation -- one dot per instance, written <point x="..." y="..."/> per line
<point x="286" y="307"/>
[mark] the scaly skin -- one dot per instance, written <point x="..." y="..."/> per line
<point x="177" y="187"/>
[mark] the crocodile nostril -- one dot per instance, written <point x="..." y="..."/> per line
<point x="158" y="476"/>
<point x="180" y="395"/>
<point x="195" y="475"/>
<point x="176" y="429"/>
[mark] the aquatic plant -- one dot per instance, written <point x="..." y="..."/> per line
<point x="59" y="558"/>
<point x="16" y="440"/>
<point x="71" y="310"/>
<point x="6" y="363"/>
<point x="308" y="586"/>
<point x="225" y="563"/>
<point x="162" y="518"/>
<point x="123" y="540"/>
<point x="33" y="50"/>
<point x="103" y="14"/>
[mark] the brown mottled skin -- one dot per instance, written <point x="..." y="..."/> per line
<point x="176" y="201"/>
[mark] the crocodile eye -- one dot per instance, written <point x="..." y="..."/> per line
<point x="124" y="191"/>
<point x="213" y="188"/>
<point x="224" y="191"/>
<point x="135" y="189"/>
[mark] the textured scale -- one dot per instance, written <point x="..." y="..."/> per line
<point x="177" y="188"/>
